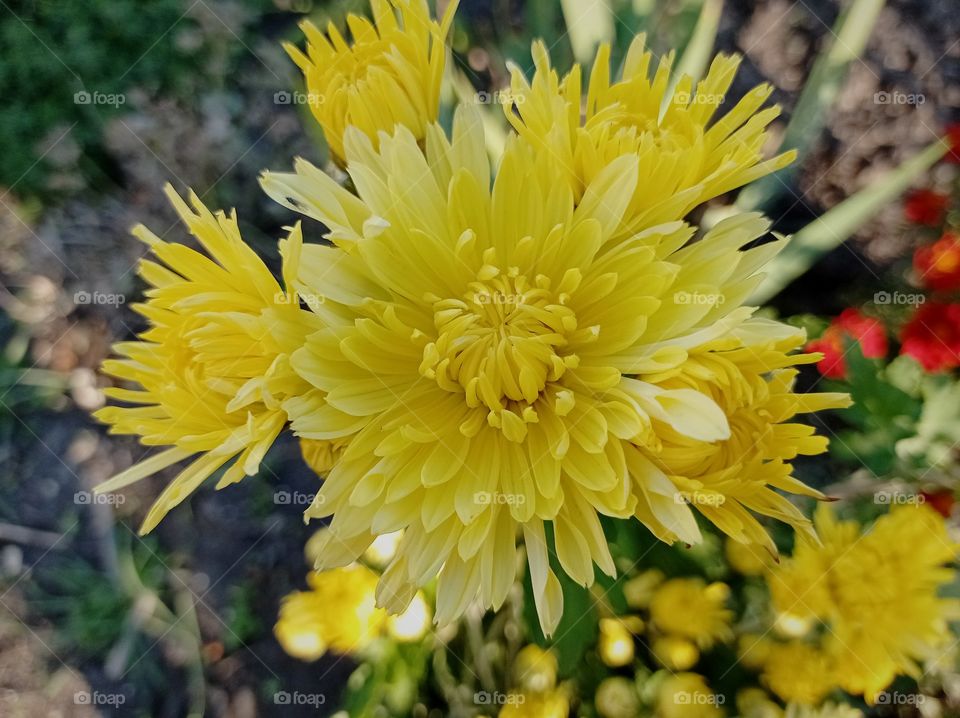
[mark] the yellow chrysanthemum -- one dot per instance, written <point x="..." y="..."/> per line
<point x="501" y="360"/>
<point x="616" y="697"/>
<point x="615" y="643"/>
<point x="690" y="608"/>
<point x="798" y="672"/>
<point x="753" y="649"/>
<point x="749" y="374"/>
<point x="390" y="75"/>
<point x="675" y="653"/>
<point x="535" y="669"/>
<point x="554" y="703"/>
<point x="687" y="695"/>
<point x="877" y="593"/>
<point x="213" y="368"/>
<point x="686" y="154"/>
<point x="338" y="613"/>
<point x="746" y="558"/>
<point x="757" y="703"/>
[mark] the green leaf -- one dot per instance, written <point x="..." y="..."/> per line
<point x="882" y="413"/>
<point x="589" y="23"/>
<point x="837" y="225"/>
<point x="938" y="430"/>
<point x="578" y="627"/>
<point x="850" y="36"/>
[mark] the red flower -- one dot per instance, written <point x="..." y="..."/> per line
<point x="924" y="206"/>
<point x="938" y="264"/>
<point x="932" y="336"/>
<point x="953" y="137"/>
<point x="851" y="324"/>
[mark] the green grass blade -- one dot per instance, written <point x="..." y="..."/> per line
<point x="850" y="36"/>
<point x="699" y="51"/>
<point x="589" y="23"/>
<point x="837" y="225"/>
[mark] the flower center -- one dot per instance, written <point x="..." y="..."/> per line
<point x="502" y="341"/>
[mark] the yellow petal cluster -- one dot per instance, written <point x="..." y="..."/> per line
<point x="686" y="153"/>
<point x="687" y="695"/>
<point x="338" y="614"/>
<point x="749" y="374"/>
<point x="690" y="608"/>
<point x="538" y="695"/>
<point x="212" y="371"/>
<point x="388" y="75"/>
<point x="877" y="592"/>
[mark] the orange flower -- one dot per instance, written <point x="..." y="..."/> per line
<point x="851" y="324"/>
<point x="932" y="336"/>
<point x="938" y="264"/>
<point x="924" y="206"/>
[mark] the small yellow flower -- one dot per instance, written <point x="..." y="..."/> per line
<point x="753" y="649"/>
<point x="798" y="672"/>
<point x="876" y="591"/>
<point x="550" y="704"/>
<point x="617" y="697"/>
<point x="413" y="623"/>
<point x="687" y="695"/>
<point x="747" y="559"/>
<point x="535" y="669"/>
<point x="756" y="703"/>
<point x="675" y="653"/>
<point x="690" y="608"/>
<point x="390" y="75"/>
<point x="338" y="613"/>
<point x="686" y="154"/>
<point x="615" y="644"/>
<point x="640" y="589"/>
<point x="213" y="368"/>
